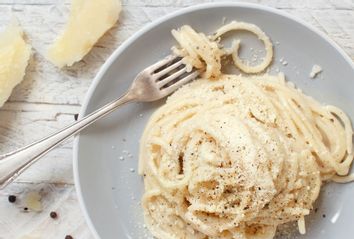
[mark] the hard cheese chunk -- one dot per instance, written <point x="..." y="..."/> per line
<point x="88" y="21"/>
<point x="14" y="56"/>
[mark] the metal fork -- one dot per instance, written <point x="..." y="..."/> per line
<point x="153" y="83"/>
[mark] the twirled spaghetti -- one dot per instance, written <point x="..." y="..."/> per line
<point x="203" y="52"/>
<point x="237" y="156"/>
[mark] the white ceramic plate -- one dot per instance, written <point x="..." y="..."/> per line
<point x="110" y="193"/>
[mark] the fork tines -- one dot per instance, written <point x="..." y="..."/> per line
<point x="171" y="73"/>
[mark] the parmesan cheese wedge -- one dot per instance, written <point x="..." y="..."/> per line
<point x="14" y="56"/>
<point x="88" y="21"/>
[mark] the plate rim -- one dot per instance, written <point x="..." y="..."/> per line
<point x="139" y="33"/>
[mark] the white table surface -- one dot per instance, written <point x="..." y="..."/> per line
<point x="48" y="98"/>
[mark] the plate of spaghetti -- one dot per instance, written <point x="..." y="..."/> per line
<point x="259" y="146"/>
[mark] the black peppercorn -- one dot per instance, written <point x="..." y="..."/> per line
<point x="68" y="237"/>
<point x="53" y="215"/>
<point x="12" y="198"/>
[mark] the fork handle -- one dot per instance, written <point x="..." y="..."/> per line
<point x="16" y="162"/>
